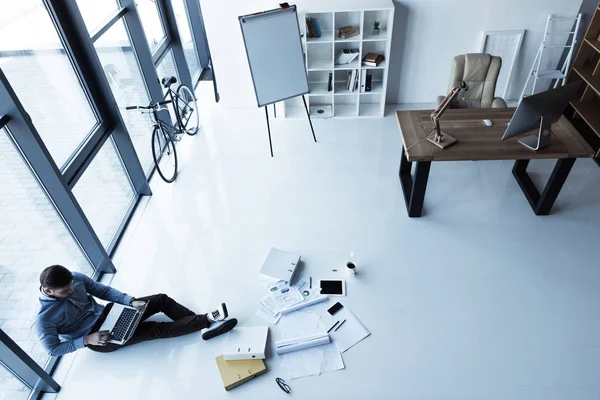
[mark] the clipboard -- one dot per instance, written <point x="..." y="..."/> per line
<point x="236" y="373"/>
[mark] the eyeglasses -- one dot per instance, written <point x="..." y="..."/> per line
<point x="284" y="386"/>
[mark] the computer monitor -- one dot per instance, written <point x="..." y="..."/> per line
<point x="540" y="111"/>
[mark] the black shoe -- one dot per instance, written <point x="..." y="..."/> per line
<point x="219" y="328"/>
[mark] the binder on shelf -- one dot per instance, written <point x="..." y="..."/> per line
<point x="330" y="82"/>
<point x="246" y="343"/>
<point x="363" y="81"/>
<point x="368" y="81"/>
<point x="235" y="373"/>
<point x="356" y="81"/>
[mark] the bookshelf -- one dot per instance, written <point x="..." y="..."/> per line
<point x="320" y="56"/>
<point x="584" y="110"/>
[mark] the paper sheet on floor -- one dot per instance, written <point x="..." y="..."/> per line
<point x="266" y="315"/>
<point x="299" y="324"/>
<point x="352" y="332"/>
<point x="332" y="357"/>
<point x="312" y="361"/>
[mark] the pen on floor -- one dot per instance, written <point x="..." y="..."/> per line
<point x="339" y="326"/>
<point x="311" y="282"/>
<point x="337" y="322"/>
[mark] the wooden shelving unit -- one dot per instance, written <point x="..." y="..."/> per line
<point x="320" y="54"/>
<point x="584" y="110"/>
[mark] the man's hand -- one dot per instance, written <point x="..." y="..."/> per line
<point x="99" y="338"/>
<point x="138" y="304"/>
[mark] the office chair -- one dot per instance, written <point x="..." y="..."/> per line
<point x="480" y="72"/>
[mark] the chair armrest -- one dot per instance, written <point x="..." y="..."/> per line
<point x="439" y="99"/>
<point x="498" y="103"/>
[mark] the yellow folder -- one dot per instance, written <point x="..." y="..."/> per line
<point x="234" y="373"/>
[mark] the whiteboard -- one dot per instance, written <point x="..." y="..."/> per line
<point x="275" y="55"/>
<point x="506" y="45"/>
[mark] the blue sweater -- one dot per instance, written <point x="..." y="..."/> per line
<point x="62" y="323"/>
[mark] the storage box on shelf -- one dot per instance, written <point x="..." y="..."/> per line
<point x="584" y="110"/>
<point x="321" y="52"/>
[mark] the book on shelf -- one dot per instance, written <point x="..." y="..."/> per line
<point x="348" y="80"/>
<point x="356" y="81"/>
<point x="346" y="32"/>
<point x="368" y="81"/>
<point x="312" y="27"/>
<point x="317" y="28"/>
<point x="329" y="83"/>
<point x="352" y="80"/>
<point x="372" y="59"/>
<point x="346" y="56"/>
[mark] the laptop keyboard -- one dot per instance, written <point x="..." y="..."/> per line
<point x="122" y="326"/>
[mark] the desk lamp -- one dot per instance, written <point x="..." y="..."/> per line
<point x="437" y="137"/>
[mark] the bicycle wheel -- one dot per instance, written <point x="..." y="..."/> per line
<point x="186" y="110"/>
<point x="164" y="154"/>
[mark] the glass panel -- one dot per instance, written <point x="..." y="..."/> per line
<point x="33" y="236"/>
<point x="105" y="193"/>
<point x="186" y="38"/>
<point x="94" y="12"/>
<point x="34" y="60"/>
<point x="148" y="11"/>
<point x="120" y="65"/>
<point x="12" y="388"/>
<point x="166" y="67"/>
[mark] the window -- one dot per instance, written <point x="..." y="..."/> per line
<point x="150" y="17"/>
<point x="11" y="387"/>
<point x="34" y="60"/>
<point x="105" y="193"/>
<point x="121" y="68"/>
<point x="94" y="12"/>
<point x="32" y="237"/>
<point x="185" y="35"/>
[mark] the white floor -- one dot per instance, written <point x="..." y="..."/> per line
<point x="479" y="299"/>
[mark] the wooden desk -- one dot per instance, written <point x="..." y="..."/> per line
<point x="479" y="142"/>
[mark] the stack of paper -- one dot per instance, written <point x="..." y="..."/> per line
<point x="283" y="299"/>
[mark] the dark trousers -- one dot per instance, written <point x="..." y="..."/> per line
<point x="184" y="322"/>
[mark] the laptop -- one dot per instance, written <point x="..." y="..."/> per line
<point x="121" y="321"/>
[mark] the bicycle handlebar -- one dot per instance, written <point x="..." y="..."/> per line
<point x="150" y="107"/>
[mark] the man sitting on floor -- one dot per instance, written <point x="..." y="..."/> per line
<point x="70" y="318"/>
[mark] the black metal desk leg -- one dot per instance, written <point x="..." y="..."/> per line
<point x="414" y="189"/>
<point x="269" y="130"/>
<point x="542" y="203"/>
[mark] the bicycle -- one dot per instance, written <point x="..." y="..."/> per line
<point x="164" y="135"/>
